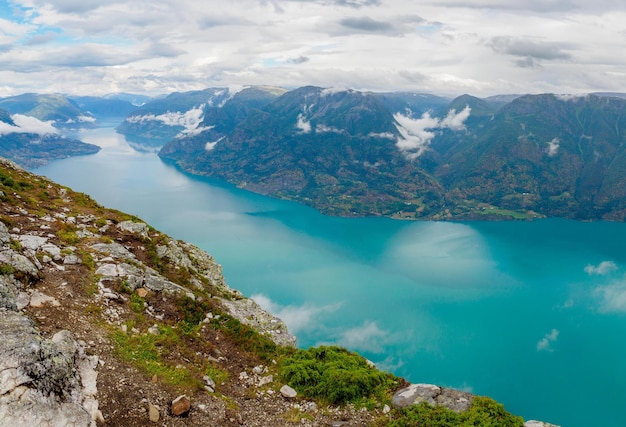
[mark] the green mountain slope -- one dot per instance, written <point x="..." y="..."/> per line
<point x="334" y="150"/>
<point x="56" y="108"/>
<point x="554" y="155"/>
<point x="187" y="113"/>
<point x="354" y="153"/>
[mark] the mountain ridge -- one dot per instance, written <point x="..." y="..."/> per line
<point x="347" y="153"/>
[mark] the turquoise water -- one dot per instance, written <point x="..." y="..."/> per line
<point x="530" y="313"/>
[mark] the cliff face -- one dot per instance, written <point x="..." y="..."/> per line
<point x="105" y="321"/>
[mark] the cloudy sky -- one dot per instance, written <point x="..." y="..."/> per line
<point x="481" y="47"/>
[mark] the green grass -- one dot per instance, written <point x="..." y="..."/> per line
<point x="149" y="353"/>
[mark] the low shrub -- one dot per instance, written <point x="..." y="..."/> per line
<point x="334" y="375"/>
<point x="484" y="412"/>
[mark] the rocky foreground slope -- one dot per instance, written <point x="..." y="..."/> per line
<point x="106" y="321"/>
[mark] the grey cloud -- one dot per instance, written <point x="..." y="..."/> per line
<point x="74" y="6"/>
<point x="346" y="3"/>
<point x="212" y="21"/>
<point x="367" y="25"/>
<point x="298" y="60"/>
<point x="394" y="26"/>
<point x="529" y="52"/>
<point x="538" y="6"/>
<point x="527" y="62"/>
<point x="41" y="39"/>
<point x="165" y="50"/>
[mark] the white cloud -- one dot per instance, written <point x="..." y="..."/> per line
<point x="320" y="128"/>
<point x="416" y="134"/>
<point x="454" y="120"/>
<point x="303" y="125"/>
<point x="190" y="120"/>
<point x="211" y="145"/>
<point x="545" y="344"/>
<point x="382" y="135"/>
<point x="602" y="269"/>
<point x="553" y="146"/>
<point x="27" y="124"/>
<point x="296" y="318"/>
<point x="82" y="119"/>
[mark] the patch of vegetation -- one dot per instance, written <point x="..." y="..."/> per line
<point x="6" y="180"/>
<point x="246" y="337"/>
<point x="335" y="375"/>
<point x="484" y="412"/>
<point x="136" y="303"/>
<point x="149" y="353"/>
<point x="218" y="375"/>
<point x="87" y="258"/>
<point x="15" y="245"/>
<point x="67" y="234"/>
<point x="193" y="311"/>
<point x="6" y="269"/>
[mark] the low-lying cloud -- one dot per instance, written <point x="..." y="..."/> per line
<point x="545" y="344"/>
<point x="553" y="147"/>
<point x="27" y="124"/>
<point x="416" y="134"/>
<point x="187" y="119"/>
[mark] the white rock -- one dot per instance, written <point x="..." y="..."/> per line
<point x="107" y="270"/>
<point x="288" y="392"/>
<point x="37" y="299"/>
<point x="32" y="242"/>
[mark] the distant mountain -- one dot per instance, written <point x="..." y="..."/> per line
<point x="411" y="103"/>
<point x="110" y="107"/>
<point x="161" y="120"/>
<point x="354" y="153"/>
<point x="59" y="109"/>
<point x="31" y="142"/>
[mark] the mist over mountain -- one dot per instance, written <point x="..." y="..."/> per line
<point x="31" y="142"/>
<point x="178" y="114"/>
<point x="56" y="108"/>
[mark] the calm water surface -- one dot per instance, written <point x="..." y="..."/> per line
<point x="532" y="314"/>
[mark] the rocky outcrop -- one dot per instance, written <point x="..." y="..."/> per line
<point x="533" y="423"/>
<point x="43" y="382"/>
<point x="456" y="400"/>
<point x="250" y="313"/>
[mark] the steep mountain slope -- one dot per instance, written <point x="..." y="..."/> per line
<point x="560" y="156"/>
<point x="335" y="150"/>
<point x="58" y="109"/>
<point x="353" y="153"/>
<point x="33" y="143"/>
<point x="179" y="114"/>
